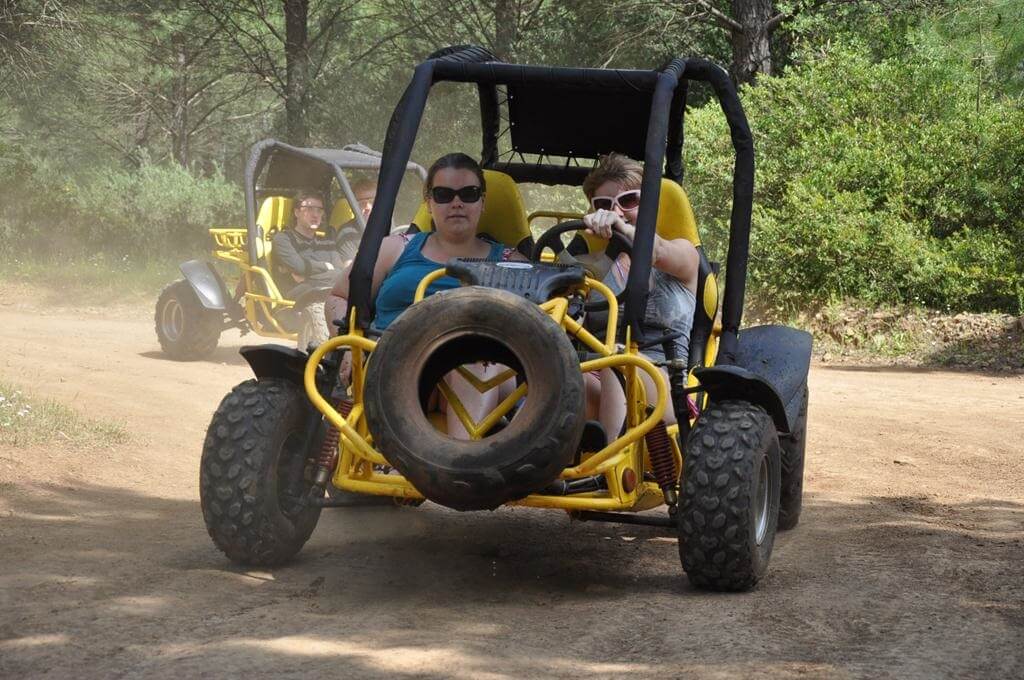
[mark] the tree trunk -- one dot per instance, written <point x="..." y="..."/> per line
<point x="751" y="46"/>
<point x="179" y="113"/>
<point x="296" y="53"/>
<point x="505" y="26"/>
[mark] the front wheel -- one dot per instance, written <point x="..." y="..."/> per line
<point x="729" y="505"/>
<point x="253" y="473"/>
<point x="185" y="329"/>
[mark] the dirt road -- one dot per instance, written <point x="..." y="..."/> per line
<point x="908" y="562"/>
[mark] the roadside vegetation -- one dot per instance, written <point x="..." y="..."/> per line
<point x="29" y="421"/>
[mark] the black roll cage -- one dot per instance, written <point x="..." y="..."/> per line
<point x="667" y="88"/>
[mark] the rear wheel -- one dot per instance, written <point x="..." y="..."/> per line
<point x="253" y="471"/>
<point x="729" y="503"/>
<point x="185" y="329"/>
<point x="793" y="450"/>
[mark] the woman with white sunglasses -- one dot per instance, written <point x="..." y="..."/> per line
<point x="613" y="190"/>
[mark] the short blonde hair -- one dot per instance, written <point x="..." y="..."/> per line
<point x="615" y="167"/>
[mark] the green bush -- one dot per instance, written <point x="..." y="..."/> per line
<point x="896" y="181"/>
<point x="148" y="213"/>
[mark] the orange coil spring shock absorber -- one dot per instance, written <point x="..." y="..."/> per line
<point x="659" y="448"/>
<point x="325" y="460"/>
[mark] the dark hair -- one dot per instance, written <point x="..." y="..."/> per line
<point x="456" y="161"/>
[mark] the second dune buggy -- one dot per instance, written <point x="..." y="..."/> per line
<point x="282" y="445"/>
<point x="192" y="312"/>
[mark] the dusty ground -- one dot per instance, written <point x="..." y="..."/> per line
<point x="908" y="562"/>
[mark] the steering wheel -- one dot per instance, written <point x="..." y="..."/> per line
<point x="617" y="245"/>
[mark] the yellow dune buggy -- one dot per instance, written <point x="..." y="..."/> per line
<point x="192" y="312"/>
<point x="292" y="441"/>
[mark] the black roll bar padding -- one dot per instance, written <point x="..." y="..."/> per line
<point x="674" y="168"/>
<point x="252" y="170"/>
<point x="462" y="54"/>
<point x="650" y="187"/>
<point x="742" y="203"/>
<point x="617" y="81"/>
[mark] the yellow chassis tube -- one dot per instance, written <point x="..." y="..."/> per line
<point x="268" y="303"/>
<point x="357" y="456"/>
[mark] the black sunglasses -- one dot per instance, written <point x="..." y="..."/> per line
<point x="470" y="194"/>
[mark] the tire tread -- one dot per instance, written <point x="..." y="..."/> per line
<point x="236" y="473"/>
<point x="715" y="494"/>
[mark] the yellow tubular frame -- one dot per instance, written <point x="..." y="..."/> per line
<point x="233" y="243"/>
<point x="357" y="456"/>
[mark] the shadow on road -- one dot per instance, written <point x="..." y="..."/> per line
<point x="131" y="583"/>
<point x="221" y="355"/>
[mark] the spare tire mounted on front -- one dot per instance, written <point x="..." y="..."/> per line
<point x="460" y="327"/>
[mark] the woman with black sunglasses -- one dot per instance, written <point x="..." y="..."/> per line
<point x="454" y="192"/>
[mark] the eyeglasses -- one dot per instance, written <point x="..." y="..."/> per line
<point x="627" y="200"/>
<point x="312" y="208"/>
<point x="470" y="194"/>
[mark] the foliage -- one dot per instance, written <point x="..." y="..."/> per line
<point x="889" y="150"/>
<point x="890" y="181"/>
<point x="145" y="213"/>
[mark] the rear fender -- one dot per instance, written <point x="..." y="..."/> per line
<point x="277" y="361"/>
<point x="771" y="370"/>
<point x="207" y="284"/>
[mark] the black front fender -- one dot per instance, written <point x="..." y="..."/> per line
<point x="277" y="361"/>
<point x="771" y="371"/>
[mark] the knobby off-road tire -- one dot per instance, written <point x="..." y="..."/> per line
<point x="314" y="329"/>
<point x="254" y="454"/>
<point x="185" y="329"/>
<point x="729" y="503"/>
<point x="793" y="449"/>
<point x="464" y="326"/>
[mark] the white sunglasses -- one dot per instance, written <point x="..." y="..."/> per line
<point x="627" y="200"/>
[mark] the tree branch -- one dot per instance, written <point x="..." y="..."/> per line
<point x="726" y="22"/>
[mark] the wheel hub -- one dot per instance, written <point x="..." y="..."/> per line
<point x="761" y="502"/>
<point x="172" y="321"/>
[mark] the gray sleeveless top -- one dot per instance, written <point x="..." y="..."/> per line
<point x="669" y="304"/>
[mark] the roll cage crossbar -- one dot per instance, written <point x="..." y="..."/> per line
<point x="589" y="115"/>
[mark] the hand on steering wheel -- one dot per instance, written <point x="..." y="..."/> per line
<point x="605" y="224"/>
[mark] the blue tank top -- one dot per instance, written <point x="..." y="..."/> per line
<point x="399" y="287"/>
